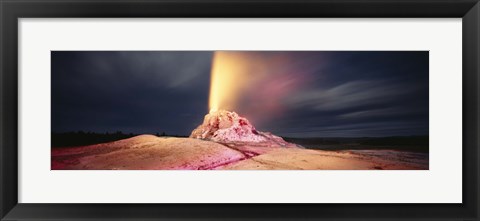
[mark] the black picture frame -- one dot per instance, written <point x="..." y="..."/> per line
<point x="12" y="10"/>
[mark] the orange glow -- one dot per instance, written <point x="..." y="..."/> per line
<point x="253" y="83"/>
<point x="231" y="73"/>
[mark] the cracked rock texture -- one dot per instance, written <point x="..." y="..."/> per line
<point x="228" y="127"/>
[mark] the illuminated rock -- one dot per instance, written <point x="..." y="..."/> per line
<point x="228" y="127"/>
<point x="148" y="152"/>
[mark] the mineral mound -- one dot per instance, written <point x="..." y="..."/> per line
<point x="228" y="127"/>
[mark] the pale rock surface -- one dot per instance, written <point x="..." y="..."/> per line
<point x="148" y="152"/>
<point x="224" y="141"/>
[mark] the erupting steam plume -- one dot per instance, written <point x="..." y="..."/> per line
<point x="227" y="80"/>
<point x="253" y="83"/>
<point x="234" y="75"/>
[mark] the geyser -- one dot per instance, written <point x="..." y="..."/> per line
<point x="234" y="75"/>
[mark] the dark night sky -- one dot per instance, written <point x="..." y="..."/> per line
<point x="339" y="94"/>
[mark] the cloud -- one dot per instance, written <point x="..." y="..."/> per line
<point x="384" y="112"/>
<point x="306" y="93"/>
<point x="134" y="91"/>
<point x="172" y="69"/>
<point x="350" y="94"/>
<point x="379" y="129"/>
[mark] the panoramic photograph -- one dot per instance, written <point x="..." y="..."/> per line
<point x="239" y="110"/>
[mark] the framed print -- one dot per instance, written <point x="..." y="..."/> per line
<point x="144" y="110"/>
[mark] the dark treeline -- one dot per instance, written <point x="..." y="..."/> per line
<point x="81" y="138"/>
<point x="405" y="143"/>
<point x="400" y="141"/>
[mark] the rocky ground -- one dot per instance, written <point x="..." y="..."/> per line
<point x="225" y="141"/>
<point x="148" y="152"/>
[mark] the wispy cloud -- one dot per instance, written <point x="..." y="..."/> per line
<point x="350" y="94"/>
<point x="383" y="112"/>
